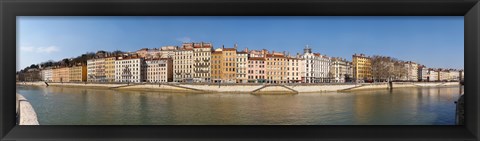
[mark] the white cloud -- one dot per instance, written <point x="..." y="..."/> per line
<point x="48" y="49"/>
<point x="184" y="39"/>
<point x="27" y="48"/>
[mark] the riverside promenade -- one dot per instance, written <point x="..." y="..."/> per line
<point x="246" y="88"/>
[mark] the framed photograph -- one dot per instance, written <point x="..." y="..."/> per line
<point x="232" y="70"/>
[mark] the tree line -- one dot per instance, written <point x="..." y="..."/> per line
<point x="68" y="62"/>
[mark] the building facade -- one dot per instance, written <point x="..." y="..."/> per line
<point x="412" y="71"/>
<point x="96" y="69"/>
<point x="61" y="74"/>
<point x="433" y="75"/>
<point x="295" y="69"/>
<point x="47" y="75"/>
<point x="443" y="75"/>
<point x="229" y="58"/>
<point x="454" y="75"/>
<point x="317" y="66"/>
<point x="158" y="70"/>
<point x="423" y="74"/>
<point x="276" y="68"/>
<point x="256" y="70"/>
<point x="216" y="66"/>
<point x="110" y="69"/>
<point x="362" y="67"/>
<point x="242" y="65"/>
<point x="339" y="69"/>
<point x="128" y="69"/>
<point x="183" y="64"/>
<point x="78" y="73"/>
<point x="201" y="61"/>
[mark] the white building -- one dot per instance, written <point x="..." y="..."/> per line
<point x="412" y="71"/>
<point x="454" y="75"/>
<point x="129" y="69"/>
<point x="433" y="75"/>
<point x="91" y="70"/>
<point x="202" y="55"/>
<point x="423" y="74"/>
<point x="317" y="66"/>
<point x="295" y="69"/>
<point x="183" y="65"/>
<point x="158" y="70"/>
<point x="241" y="67"/>
<point x="47" y="75"/>
<point x="96" y="70"/>
<point x="340" y="70"/>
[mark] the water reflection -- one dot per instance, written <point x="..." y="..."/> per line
<point x="78" y="106"/>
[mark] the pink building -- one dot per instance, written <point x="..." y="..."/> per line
<point x="256" y="70"/>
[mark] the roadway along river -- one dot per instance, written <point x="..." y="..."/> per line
<point x="402" y="106"/>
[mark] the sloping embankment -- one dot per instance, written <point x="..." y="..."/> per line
<point x="248" y="88"/>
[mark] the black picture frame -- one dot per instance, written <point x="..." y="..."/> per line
<point x="9" y="9"/>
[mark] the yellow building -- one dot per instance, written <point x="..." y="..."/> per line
<point x="276" y="68"/>
<point x="362" y="67"/>
<point x="61" y="74"/>
<point x="224" y="65"/>
<point x="229" y="57"/>
<point x="78" y="73"/>
<point x="216" y="65"/>
<point x="110" y="69"/>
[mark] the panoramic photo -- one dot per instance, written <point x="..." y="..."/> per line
<point x="240" y="70"/>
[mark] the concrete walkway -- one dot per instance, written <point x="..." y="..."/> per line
<point x="25" y="113"/>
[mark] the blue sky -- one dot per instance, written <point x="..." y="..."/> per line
<point x="435" y="41"/>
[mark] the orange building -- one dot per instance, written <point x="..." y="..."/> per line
<point x="61" y="74"/>
<point x="224" y="65"/>
<point x="229" y="57"/>
<point x="216" y="64"/>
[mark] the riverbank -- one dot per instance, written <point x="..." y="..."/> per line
<point x="247" y="88"/>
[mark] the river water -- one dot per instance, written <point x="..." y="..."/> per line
<point x="402" y="106"/>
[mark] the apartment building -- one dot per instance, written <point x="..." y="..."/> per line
<point x="422" y="73"/>
<point x="242" y="65"/>
<point x="229" y="58"/>
<point x="295" y="69"/>
<point x="362" y="67"/>
<point x="412" y="71"/>
<point x="256" y="70"/>
<point x="61" y="74"/>
<point x="276" y="68"/>
<point x="201" y="61"/>
<point x="128" y="69"/>
<point x="47" y="74"/>
<point x="433" y="75"/>
<point x="158" y="70"/>
<point x="183" y="64"/>
<point x="110" y="69"/>
<point x="216" y="66"/>
<point x="339" y="69"/>
<point x="78" y="73"/>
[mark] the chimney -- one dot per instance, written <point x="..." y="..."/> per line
<point x="246" y="50"/>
